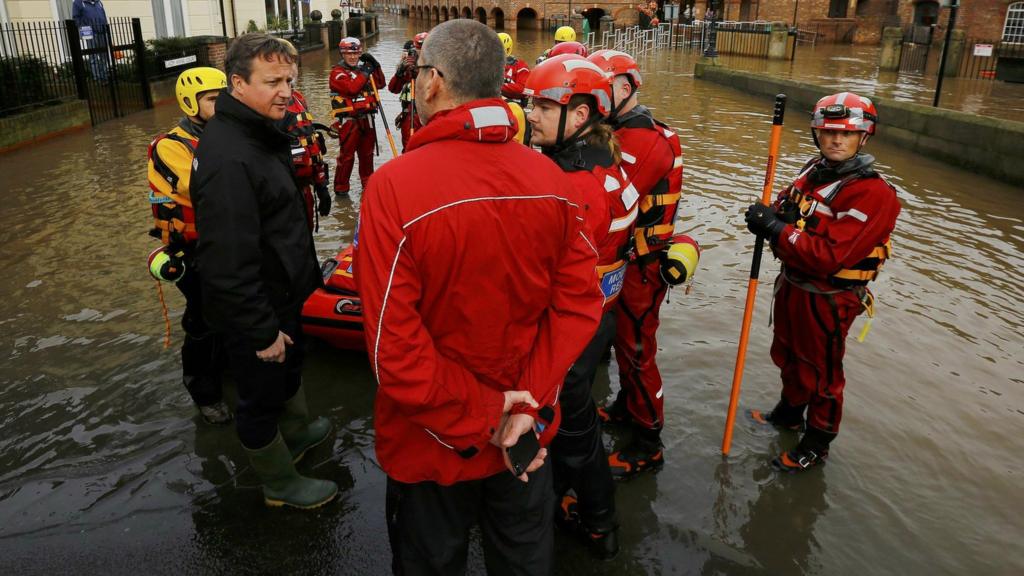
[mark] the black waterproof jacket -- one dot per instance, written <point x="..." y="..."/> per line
<point x="255" y="251"/>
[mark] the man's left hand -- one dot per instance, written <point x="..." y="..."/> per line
<point x="370" y="61"/>
<point x="515" y="426"/>
<point x="762" y="221"/>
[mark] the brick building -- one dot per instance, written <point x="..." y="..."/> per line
<point x="861" y="21"/>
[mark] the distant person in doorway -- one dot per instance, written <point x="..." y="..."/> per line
<point x="91" y="19"/>
<point x="830" y="228"/>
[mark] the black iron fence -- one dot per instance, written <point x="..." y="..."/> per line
<point x="993" y="60"/>
<point x="35" y="66"/>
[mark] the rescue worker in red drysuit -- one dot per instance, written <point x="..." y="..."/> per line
<point x="353" y="104"/>
<point x="170" y="168"/>
<point x="401" y="83"/>
<point x="570" y="98"/>
<point x="652" y="158"/>
<point x="453" y="391"/>
<point x="516" y="72"/>
<point x="307" y="149"/>
<point x="831" y="231"/>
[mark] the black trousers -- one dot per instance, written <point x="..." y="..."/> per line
<point x="202" y="353"/>
<point x="264" y="387"/>
<point x="577" y="453"/>
<point x="428" y="525"/>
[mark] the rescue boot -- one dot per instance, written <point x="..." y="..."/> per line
<point x="601" y="538"/>
<point x="615" y="412"/>
<point x="299" y="432"/>
<point x="643" y="453"/>
<point x="282" y="484"/>
<point x="217" y="414"/>
<point x="783" y="417"/>
<point x="811" y="451"/>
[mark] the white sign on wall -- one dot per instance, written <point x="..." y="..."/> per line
<point x="982" y="49"/>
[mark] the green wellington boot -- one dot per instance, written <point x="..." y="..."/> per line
<point x="282" y="485"/>
<point x="301" y="434"/>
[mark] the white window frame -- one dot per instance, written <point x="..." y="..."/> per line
<point x="1014" y="20"/>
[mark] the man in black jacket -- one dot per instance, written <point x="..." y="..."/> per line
<point x="258" y="266"/>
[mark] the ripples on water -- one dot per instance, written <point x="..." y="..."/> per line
<point x="104" y="466"/>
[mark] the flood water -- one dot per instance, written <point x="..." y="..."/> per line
<point x="105" y="467"/>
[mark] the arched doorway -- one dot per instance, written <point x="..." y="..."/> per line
<point x="453" y="13"/>
<point x="499" y="18"/>
<point x="593" y="16"/>
<point x="434" y="17"/>
<point x="527" y="18"/>
<point x="481" y="15"/>
<point x="466" y="12"/>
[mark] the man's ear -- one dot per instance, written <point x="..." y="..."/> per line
<point x="236" y="82"/>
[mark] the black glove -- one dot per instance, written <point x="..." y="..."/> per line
<point x="323" y="200"/>
<point x="789" y="212"/>
<point x="370" y="61"/>
<point x="762" y="221"/>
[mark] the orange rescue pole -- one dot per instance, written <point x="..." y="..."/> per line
<point x="412" y="107"/>
<point x="380" y="107"/>
<point x="755" y="269"/>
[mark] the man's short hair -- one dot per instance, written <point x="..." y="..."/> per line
<point x="248" y="47"/>
<point x="469" y="55"/>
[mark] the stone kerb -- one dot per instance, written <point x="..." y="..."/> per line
<point x="989" y="146"/>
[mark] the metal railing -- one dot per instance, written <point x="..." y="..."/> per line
<point x="992" y="60"/>
<point x="35" y="65"/>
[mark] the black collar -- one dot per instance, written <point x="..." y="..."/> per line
<point x="579" y="156"/>
<point x="638" y="117"/>
<point x="255" y="125"/>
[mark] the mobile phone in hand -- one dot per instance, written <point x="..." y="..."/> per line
<point x="523" y="452"/>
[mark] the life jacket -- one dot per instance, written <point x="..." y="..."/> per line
<point x="307" y="146"/>
<point x="813" y="202"/>
<point x="354" y="106"/>
<point x="174" y="219"/>
<point x="614" y="248"/>
<point x="655" y="223"/>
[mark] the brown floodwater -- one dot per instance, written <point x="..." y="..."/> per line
<point x="105" y="468"/>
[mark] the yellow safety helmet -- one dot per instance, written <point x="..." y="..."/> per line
<point x="520" y="115"/>
<point x="193" y="82"/>
<point x="679" y="262"/>
<point x="506" y="41"/>
<point x="565" y="34"/>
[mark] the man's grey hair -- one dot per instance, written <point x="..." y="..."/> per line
<point x="469" y="55"/>
<point x="248" y="47"/>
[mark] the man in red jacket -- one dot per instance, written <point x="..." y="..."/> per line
<point x="478" y="294"/>
<point x="570" y="98"/>
<point x="402" y="84"/>
<point x="353" y="103"/>
<point x="831" y="230"/>
<point x="516" y="72"/>
<point x="652" y="158"/>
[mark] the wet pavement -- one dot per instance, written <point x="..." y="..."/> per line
<point x="106" y="468"/>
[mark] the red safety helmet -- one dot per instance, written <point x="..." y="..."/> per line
<point x="617" y="63"/>
<point x="845" y="111"/>
<point x="350" y="45"/>
<point x="560" y="78"/>
<point x="417" y="40"/>
<point x="568" y="48"/>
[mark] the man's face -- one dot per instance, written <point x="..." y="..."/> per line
<point x="351" y="58"/>
<point x="207" y="101"/>
<point x="544" y="116"/>
<point x="269" y="88"/>
<point x="839" y="145"/>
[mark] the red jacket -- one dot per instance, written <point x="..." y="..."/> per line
<point x="352" y="91"/>
<point x="846" y="220"/>
<point x="476" y="279"/>
<point x="516" y="74"/>
<point x="652" y="158"/>
<point x="611" y="207"/>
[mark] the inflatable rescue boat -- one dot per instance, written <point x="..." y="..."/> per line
<point x="334" y="313"/>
